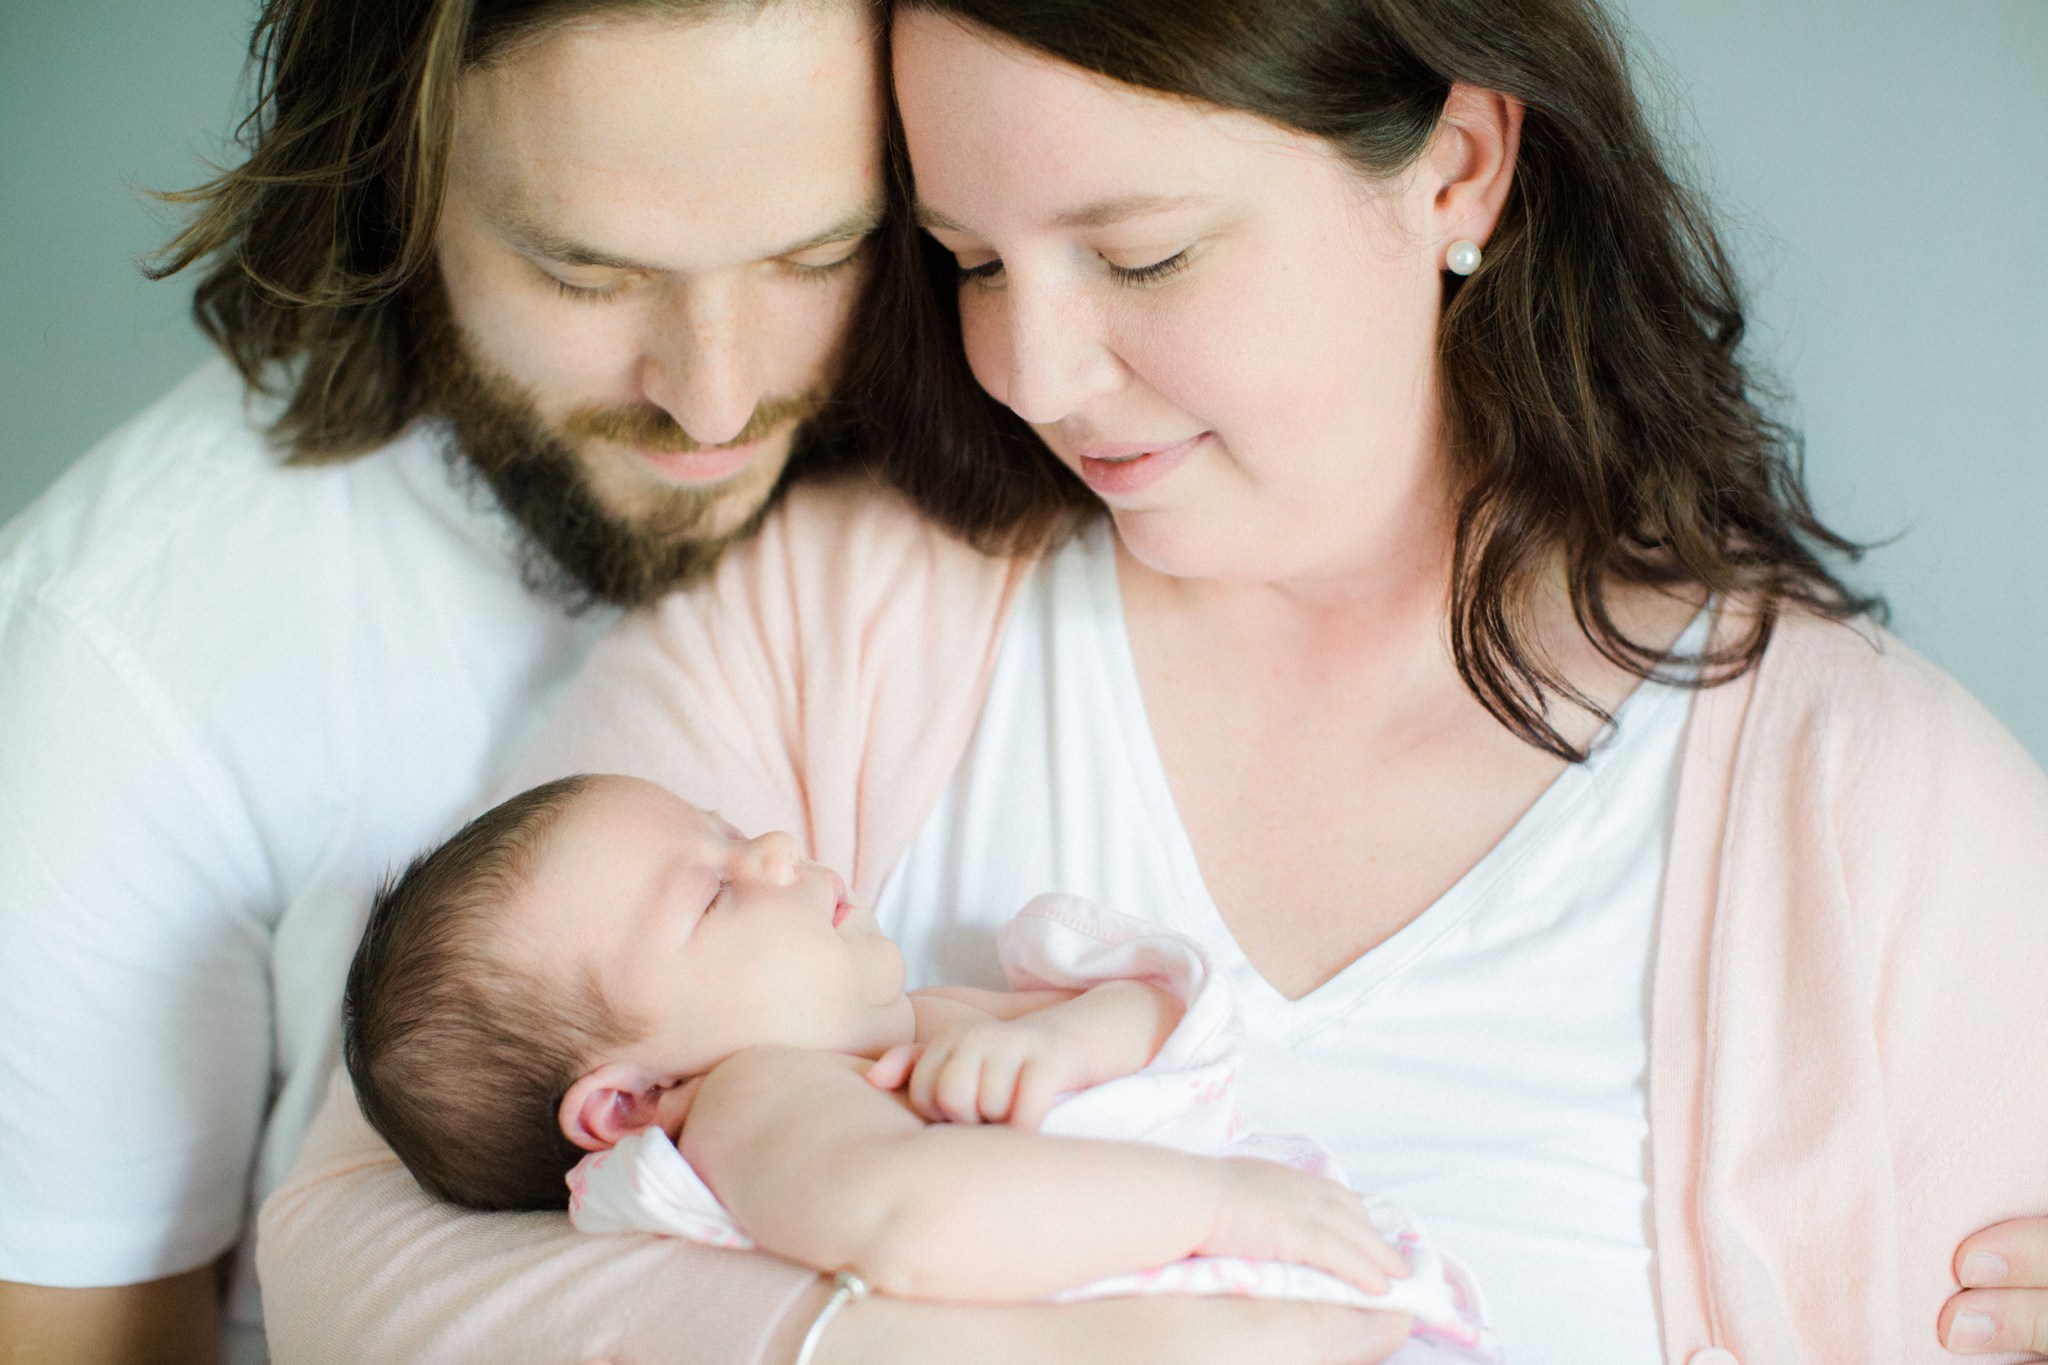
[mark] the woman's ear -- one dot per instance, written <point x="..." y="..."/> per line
<point x="612" y="1102"/>
<point x="1471" y="161"/>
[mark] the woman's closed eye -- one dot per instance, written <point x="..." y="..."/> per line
<point x="1150" y="274"/>
<point x="978" y="274"/>
<point x="986" y="272"/>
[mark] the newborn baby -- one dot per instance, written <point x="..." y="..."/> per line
<point x="596" y="958"/>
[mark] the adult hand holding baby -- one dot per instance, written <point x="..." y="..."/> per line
<point x="2003" y="1305"/>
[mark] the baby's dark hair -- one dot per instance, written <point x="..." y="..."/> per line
<point x="459" y="1059"/>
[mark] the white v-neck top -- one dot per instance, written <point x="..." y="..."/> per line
<point x="1485" y="1066"/>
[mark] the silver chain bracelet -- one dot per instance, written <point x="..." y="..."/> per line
<point x="847" y="1287"/>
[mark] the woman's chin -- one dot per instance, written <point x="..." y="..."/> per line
<point x="1178" y="544"/>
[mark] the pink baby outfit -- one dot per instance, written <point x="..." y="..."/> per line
<point x="1185" y="1098"/>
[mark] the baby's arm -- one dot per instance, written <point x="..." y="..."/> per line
<point x="1004" y="1056"/>
<point x="822" y="1168"/>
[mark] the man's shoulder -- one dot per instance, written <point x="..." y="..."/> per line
<point x="184" y="550"/>
<point x="157" y="468"/>
<point x="191" y="495"/>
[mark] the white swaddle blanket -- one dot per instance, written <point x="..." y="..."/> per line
<point x="1186" y="1098"/>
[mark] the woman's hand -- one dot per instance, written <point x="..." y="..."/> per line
<point x="1160" y="1330"/>
<point x="2004" y="1302"/>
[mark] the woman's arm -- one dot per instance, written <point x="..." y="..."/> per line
<point x="1159" y="1330"/>
<point x="357" y="1264"/>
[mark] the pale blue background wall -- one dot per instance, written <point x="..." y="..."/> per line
<point x="1884" y="164"/>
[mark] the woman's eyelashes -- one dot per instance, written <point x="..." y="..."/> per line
<point x="986" y="272"/>
<point x="1150" y="274"/>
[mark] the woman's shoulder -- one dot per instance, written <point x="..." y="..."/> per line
<point x="863" y="523"/>
<point x="1855" y="686"/>
<point x="832" y="556"/>
<point x="1907" y="781"/>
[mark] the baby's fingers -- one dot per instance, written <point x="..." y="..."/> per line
<point x="957" y="1093"/>
<point x="893" y="1067"/>
<point x="1037" y="1088"/>
<point x="1384" y="1254"/>
<point x="1340" y="1249"/>
<point x="1351" y="1224"/>
<point x="998" y="1099"/>
<point x="923" y="1091"/>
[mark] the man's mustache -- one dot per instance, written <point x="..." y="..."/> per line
<point x="650" y="428"/>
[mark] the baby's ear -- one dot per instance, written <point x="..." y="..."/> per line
<point x="614" y="1101"/>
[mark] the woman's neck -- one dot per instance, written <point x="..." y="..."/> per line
<point x="1383" y="608"/>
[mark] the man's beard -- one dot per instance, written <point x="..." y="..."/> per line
<point x="574" y="547"/>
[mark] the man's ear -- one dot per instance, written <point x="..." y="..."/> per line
<point x="612" y="1102"/>
<point x="1472" y="161"/>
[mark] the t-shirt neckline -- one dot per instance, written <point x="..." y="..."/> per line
<point x="1192" y="909"/>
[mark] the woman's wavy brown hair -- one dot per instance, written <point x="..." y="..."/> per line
<point x="1598" y="412"/>
<point x="315" y="246"/>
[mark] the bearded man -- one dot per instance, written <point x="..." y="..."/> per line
<point x="532" y="307"/>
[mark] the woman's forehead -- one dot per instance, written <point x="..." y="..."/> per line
<point x="993" y="125"/>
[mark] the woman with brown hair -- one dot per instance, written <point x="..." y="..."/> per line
<point x="1458" y="661"/>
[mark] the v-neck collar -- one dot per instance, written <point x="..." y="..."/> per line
<point x="1191" y="908"/>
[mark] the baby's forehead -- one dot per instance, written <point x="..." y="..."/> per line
<point x="620" y="837"/>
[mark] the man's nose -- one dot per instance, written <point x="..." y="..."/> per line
<point x="699" y="364"/>
<point x="772" y="859"/>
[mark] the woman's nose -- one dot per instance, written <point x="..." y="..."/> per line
<point x="772" y="859"/>
<point x="1050" y="357"/>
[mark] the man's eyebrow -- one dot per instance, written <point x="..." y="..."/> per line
<point x="851" y="228"/>
<point x="1101" y="213"/>
<point x="524" y="231"/>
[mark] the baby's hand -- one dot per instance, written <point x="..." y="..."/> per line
<point x="996" y="1072"/>
<point x="1277" y="1213"/>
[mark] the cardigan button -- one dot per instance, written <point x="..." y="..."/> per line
<point x="1713" y="1355"/>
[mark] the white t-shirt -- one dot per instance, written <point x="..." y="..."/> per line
<point x="233" y="694"/>
<point x="1484" y="1067"/>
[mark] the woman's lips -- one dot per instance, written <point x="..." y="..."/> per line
<point x="1124" y="470"/>
<point x="841" y="905"/>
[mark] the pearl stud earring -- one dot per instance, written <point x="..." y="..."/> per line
<point x="1463" y="258"/>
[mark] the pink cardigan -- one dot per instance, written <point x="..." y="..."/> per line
<point x="1849" y="1053"/>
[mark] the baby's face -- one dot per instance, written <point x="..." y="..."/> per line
<point x="715" y="941"/>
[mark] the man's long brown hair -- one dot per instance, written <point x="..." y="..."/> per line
<point x="316" y="247"/>
<point x="1599" y="414"/>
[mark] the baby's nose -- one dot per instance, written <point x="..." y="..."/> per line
<point x="774" y="858"/>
